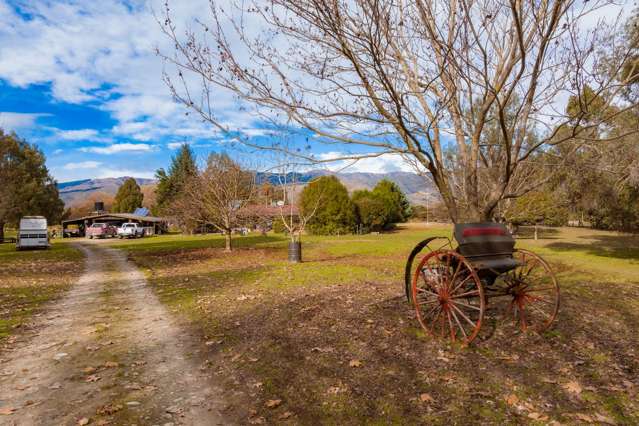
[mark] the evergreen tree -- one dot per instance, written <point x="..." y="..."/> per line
<point x="395" y="199"/>
<point x="171" y="184"/>
<point x="372" y="211"/>
<point x="26" y="187"/>
<point x="128" y="198"/>
<point x="335" y="212"/>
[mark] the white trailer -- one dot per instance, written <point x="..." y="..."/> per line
<point x="33" y="233"/>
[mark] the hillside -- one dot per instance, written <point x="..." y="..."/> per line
<point x="414" y="186"/>
<point x="75" y="191"/>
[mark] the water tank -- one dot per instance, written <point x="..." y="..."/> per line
<point x="99" y="206"/>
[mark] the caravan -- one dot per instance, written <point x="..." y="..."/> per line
<point x="33" y="233"/>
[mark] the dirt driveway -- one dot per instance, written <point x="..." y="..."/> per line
<point x="108" y="353"/>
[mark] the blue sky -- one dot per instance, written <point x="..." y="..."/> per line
<point x="81" y="80"/>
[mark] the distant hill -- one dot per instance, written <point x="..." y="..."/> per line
<point x="416" y="187"/>
<point x="75" y="191"/>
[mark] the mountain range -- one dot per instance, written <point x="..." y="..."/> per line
<point x="417" y="188"/>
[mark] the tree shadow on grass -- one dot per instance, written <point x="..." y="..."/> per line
<point x="614" y="246"/>
<point x="544" y="233"/>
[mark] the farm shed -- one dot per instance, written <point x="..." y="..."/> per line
<point x="76" y="227"/>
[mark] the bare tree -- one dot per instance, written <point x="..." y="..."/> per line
<point x="422" y="79"/>
<point x="218" y="196"/>
<point x="292" y="216"/>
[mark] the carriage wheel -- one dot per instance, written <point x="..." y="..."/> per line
<point x="448" y="296"/>
<point x="534" y="290"/>
<point x="408" y="269"/>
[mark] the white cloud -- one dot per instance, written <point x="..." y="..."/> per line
<point x="102" y="52"/>
<point x="114" y="173"/>
<point x="385" y="163"/>
<point x="16" y="120"/>
<point x="82" y="135"/>
<point x="82" y="165"/>
<point x="119" y="147"/>
<point x="174" y="145"/>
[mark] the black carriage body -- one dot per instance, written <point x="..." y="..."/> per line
<point x="488" y="246"/>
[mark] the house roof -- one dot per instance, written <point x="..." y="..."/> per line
<point x="269" y="211"/>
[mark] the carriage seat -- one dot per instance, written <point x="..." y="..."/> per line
<point x="486" y="245"/>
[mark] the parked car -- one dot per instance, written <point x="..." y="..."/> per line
<point x="33" y="233"/>
<point x="130" y="230"/>
<point x="71" y="231"/>
<point x="101" y="230"/>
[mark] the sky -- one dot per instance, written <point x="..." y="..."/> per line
<point x="81" y="80"/>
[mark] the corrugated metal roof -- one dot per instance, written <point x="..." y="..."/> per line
<point x="116" y="216"/>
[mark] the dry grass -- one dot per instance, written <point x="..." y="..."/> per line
<point x="28" y="279"/>
<point x="334" y="340"/>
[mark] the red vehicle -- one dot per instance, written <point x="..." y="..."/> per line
<point x="101" y="230"/>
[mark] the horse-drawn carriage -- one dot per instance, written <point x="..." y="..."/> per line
<point x="451" y="286"/>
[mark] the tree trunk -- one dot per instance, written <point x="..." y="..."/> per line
<point x="1" y="231"/>
<point x="227" y="240"/>
<point x="536" y="234"/>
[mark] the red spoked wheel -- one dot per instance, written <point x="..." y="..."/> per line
<point x="448" y="296"/>
<point x="534" y="291"/>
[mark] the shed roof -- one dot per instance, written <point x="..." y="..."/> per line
<point x="116" y="216"/>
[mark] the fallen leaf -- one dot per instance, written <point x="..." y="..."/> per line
<point x="89" y="370"/>
<point x="272" y="403"/>
<point x="60" y="355"/>
<point x="55" y="385"/>
<point x="572" y="387"/>
<point x="584" y="417"/>
<point x="605" y="419"/>
<point x="111" y="364"/>
<point x="355" y="363"/>
<point x="7" y="411"/>
<point x="109" y="409"/>
<point x="83" y="421"/>
<point x="92" y="378"/>
<point x="425" y="397"/>
<point x="285" y="415"/>
<point x="537" y="416"/>
<point x="512" y="399"/>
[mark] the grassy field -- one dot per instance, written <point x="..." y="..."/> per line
<point x="30" y="278"/>
<point x="333" y="341"/>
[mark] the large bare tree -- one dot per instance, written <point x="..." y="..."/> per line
<point x="422" y="79"/>
<point x="217" y="196"/>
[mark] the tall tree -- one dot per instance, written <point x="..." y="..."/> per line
<point x="390" y="193"/>
<point x="333" y="210"/>
<point x="26" y="187"/>
<point x="171" y="183"/>
<point x="128" y="198"/>
<point x="420" y="79"/>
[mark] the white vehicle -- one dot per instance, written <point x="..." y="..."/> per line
<point x="130" y="230"/>
<point x="33" y="233"/>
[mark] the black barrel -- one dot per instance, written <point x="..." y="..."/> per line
<point x="295" y="251"/>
